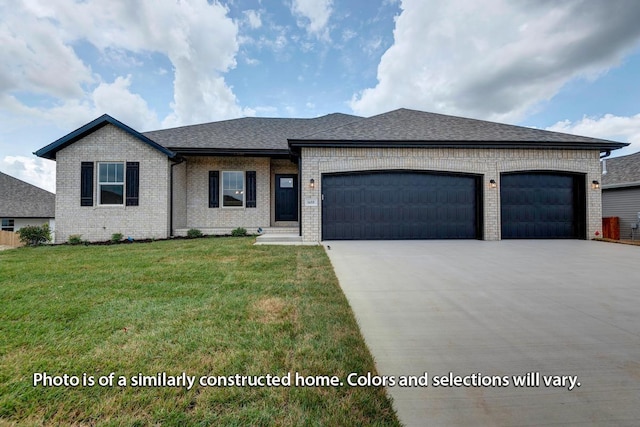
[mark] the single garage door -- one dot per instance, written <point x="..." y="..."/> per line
<point x="400" y="205"/>
<point x="543" y="205"/>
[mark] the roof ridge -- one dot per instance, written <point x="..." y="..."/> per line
<point x="248" y="118"/>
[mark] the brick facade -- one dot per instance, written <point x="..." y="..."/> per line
<point x="150" y="219"/>
<point x="191" y="188"/>
<point x="489" y="163"/>
<point x="185" y="185"/>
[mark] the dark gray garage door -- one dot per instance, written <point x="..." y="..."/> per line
<point x="542" y="205"/>
<point x="400" y="205"/>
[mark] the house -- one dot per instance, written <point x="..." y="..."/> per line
<point x="404" y="174"/>
<point x="23" y="204"/>
<point x="621" y="193"/>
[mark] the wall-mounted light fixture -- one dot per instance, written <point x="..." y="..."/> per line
<point x="312" y="183"/>
<point x="595" y="185"/>
<point x="493" y="184"/>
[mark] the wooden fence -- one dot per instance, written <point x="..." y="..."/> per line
<point x="9" y="238"/>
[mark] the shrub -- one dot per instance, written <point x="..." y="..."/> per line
<point x="239" y="232"/>
<point x="193" y="233"/>
<point x="35" y="235"/>
<point x="116" y="237"/>
<point x="75" y="239"/>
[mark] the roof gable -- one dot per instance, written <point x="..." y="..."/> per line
<point x="49" y="152"/>
<point x="19" y="199"/>
<point x="411" y="127"/>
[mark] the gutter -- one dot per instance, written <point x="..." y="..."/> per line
<point x="621" y="185"/>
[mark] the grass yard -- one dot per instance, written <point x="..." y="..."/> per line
<point x="204" y="307"/>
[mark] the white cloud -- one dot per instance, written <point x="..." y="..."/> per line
<point x="253" y="19"/>
<point x="35" y="56"/>
<point x="112" y="98"/>
<point x="116" y="99"/>
<point x="38" y="56"/>
<point x="36" y="171"/>
<point x="496" y="59"/>
<point x="316" y="12"/>
<point x="609" y="126"/>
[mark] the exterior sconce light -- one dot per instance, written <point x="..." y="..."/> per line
<point x="595" y="185"/>
<point x="312" y="183"/>
<point x="493" y="184"/>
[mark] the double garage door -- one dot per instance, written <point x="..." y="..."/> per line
<point x="400" y="205"/>
<point x="428" y="205"/>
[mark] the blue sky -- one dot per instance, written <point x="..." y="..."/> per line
<point x="568" y="66"/>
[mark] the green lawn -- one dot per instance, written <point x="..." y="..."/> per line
<point x="204" y="307"/>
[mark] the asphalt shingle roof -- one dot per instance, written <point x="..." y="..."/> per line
<point x="19" y="199"/>
<point x="411" y="125"/>
<point x="622" y="170"/>
<point x="252" y="133"/>
<point x="275" y="136"/>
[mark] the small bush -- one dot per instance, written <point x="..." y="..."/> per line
<point x="75" y="239"/>
<point x="116" y="237"/>
<point x="35" y="235"/>
<point x="239" y="232"/>
<point x="193" y="233"/>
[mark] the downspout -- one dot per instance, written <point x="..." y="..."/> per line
<point x="180" y="160"/>
<point x="299" y="197"/>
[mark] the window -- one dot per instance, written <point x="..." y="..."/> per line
<point x="238" y="189"/>
<point x="7" y="224"/>
<point x="232" y="189"/>
<point x="111" y="183"/>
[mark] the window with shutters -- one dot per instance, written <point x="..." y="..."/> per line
<point x="238" y="189"/>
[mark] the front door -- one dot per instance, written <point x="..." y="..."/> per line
<point x="286" y="197"/>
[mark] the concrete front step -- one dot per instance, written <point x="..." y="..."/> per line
<point x="279" y="239"/>
<point x="282" y="239"/>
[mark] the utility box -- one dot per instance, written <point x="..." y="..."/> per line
<point x="611" y="227"/>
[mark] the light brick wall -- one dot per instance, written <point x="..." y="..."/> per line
<point x="489" y="163"/>
<point x="180" y="195"/>
<point x="200" y="216"/>
<point x="97" y="223"/>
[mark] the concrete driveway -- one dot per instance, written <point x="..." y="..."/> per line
<point x="565" y="311"/>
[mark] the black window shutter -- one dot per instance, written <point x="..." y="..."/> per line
<point x="251" y="189"/>
<point x="133" y="183"/>
<point x="214" y="189"/>
<point x="86" y="184"/>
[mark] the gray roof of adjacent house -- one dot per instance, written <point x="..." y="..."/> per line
<point x="621" y="171"/>
<point x="404" y="127"/>
<point x="250" y="133"/>
<point x="19" y="199"/>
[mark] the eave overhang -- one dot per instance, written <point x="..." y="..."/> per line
<point x="49" y="152"/>
<point x="232" y="152"/>
<point x="296" y="144"/>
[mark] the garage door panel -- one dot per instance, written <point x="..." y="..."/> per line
<point x="542" y="205"/>
<point x="401" y="205"/>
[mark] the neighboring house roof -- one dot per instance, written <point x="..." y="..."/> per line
<point x="621" y="171"/>
<point x="404" y="127"/>
<point x="249" y="135"/>
<point x="19" y="199"/>
<point x="49" y="152"/>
